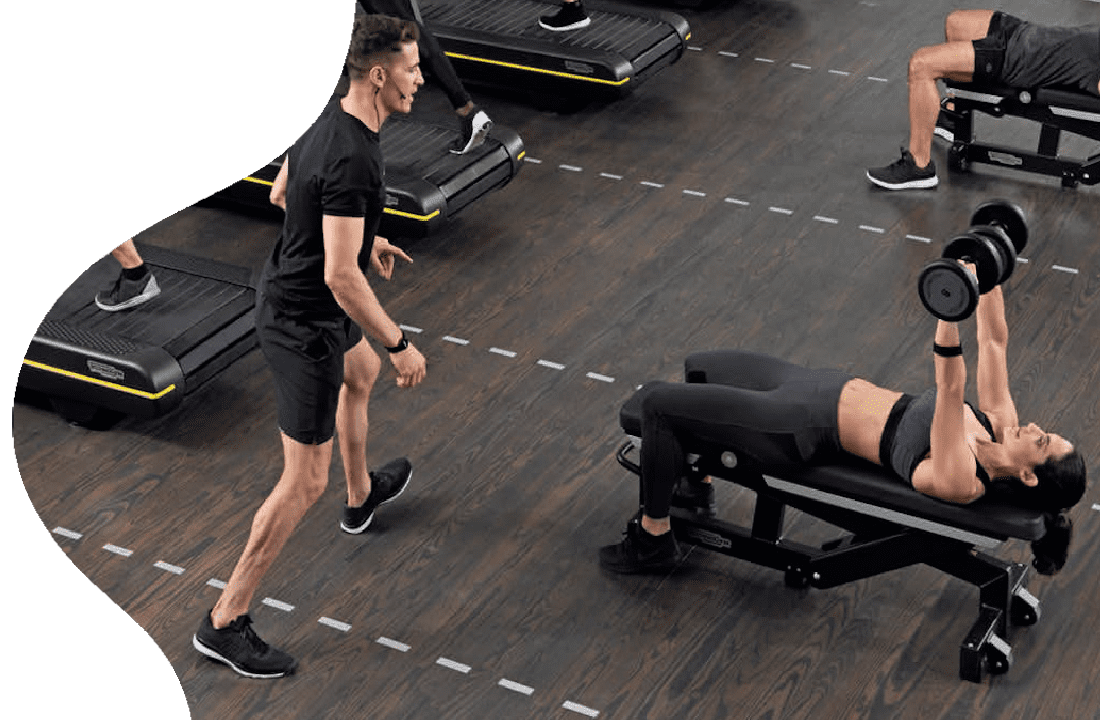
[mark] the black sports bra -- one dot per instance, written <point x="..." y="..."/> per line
<point x="906" y="440"/>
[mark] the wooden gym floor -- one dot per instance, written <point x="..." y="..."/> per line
<point x="723" y="204"/>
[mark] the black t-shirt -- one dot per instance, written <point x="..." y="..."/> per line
<point x="335" y="169"/>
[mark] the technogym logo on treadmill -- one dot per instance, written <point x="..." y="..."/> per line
<point x="106" y="372"/>
<point x="579" y="67"/>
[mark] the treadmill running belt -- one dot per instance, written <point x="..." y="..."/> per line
<point x="142" y="361"/>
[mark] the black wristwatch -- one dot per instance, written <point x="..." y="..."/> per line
<point x="401" y="345"/>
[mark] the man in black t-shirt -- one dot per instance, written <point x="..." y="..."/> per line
<point x="313" y="305"/>
<point x="988" y="47"/>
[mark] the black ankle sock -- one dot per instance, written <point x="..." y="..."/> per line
<point x="135" y="273"/>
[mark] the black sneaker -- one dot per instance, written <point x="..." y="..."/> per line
<point x="640" y="552"/>
<point x="696" y="496"/>
<point x="475" y="128"/>
<point x="904" y="174"/>
<point x="570" y="16"/>
<point x="238" y="646"/>
<point x="126" y="293"/>
<point x="387" y="483"/>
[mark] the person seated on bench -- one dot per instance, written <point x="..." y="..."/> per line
<point x="986" y="47"/>
<point x="777" y="414"/>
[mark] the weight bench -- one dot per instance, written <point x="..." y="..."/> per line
<point x="1057" y="110"/>
<point x="890" y="526"/>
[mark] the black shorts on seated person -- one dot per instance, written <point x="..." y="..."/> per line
<point x="1020" y="54"/>
<point x="307" y="362"/>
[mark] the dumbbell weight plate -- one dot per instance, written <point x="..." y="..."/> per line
<point x="988" y="259"/>
<point x="1007" y="215"/>
<point x="948" y="290"/>
<point x="997" y="235"/>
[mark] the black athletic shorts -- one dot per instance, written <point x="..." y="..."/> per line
<point x="989" y="52"/>
<point x="307" y="362"/>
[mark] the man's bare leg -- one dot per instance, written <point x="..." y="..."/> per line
<point x="954" y="60"/>
<point x="127" y="255"/>
<point x="361" y="368"/>
<point x="305" y="475"/>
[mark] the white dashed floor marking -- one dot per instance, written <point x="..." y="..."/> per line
<point x="517" y="687"/>
<point x="335" y="624"/>
<point x="63" y="532"/>
<point x="394" y="644"/>
<point x="456" y="666"/>
<point x="278" y="604"/>
<point x="174" y="569"/>
<point x="118" y="550"/>
<point x="578" y="708"/>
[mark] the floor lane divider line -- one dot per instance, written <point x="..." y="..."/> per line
<point x="120" y="551"/>
<point x="278" y="604"/>
<point x="174" y="569"/>
<point x="515" y="686"/>
<point x="578" y="708"/>
<point x="334" y="624"/>
<point x="65" y="532"/>
<point x="454" y="665"/>
<point x="393" y="644"/>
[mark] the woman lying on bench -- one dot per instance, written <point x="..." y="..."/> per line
<point x="986" y="47"/>
<point x="777" y="414"/>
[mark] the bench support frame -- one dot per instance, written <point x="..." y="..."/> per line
<point x="872" y="545"/>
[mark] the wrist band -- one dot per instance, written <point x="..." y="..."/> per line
<point x="401" y="344"/>
<point x="947" y="351"/>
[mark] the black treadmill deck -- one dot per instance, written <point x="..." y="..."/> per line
<point x="500" y="43"/>
<point x="143" y="360"/>
<point x="425" y="182"/>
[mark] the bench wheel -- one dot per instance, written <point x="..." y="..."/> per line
<point x="1024" y="611"/>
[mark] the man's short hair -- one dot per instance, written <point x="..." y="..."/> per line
<point x="375" y="40"/>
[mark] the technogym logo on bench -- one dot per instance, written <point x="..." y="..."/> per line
<point x="710" y="539"/>
<point x="106" y="372"/>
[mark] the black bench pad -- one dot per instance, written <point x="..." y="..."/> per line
<point x="868" y="483"/>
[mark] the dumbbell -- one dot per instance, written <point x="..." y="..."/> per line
<point x="997" y="235"/>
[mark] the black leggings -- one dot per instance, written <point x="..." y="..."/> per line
<point x="768" y="410"/>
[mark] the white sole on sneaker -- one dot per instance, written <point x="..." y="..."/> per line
<point x="214" y="655"/>
<point x="910" y="185"/>
<point x="151" y="291"/>
<point x="362" y="528"/>
<point x="575" y="26"/>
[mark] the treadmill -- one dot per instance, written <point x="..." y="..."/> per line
<point x="425" y="182"/>
<point x="96" y="366"/>
<point x="499" y="44"/>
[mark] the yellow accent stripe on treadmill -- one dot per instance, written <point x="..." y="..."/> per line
<point x="391" y="211"/>
<point x="556" y="73"/>
<point x="103" y="383"/>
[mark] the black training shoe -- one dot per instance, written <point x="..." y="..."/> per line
<point x="696" y="496"/>
<point x="387" y="483"/>
<point x="238" y="646"/>
<point x="904" y="174"/>
<point x="640" y="552"/>
<point x="126" y="293"/>
<point x="570" y="16"/>
<point x="475" y="128"/>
